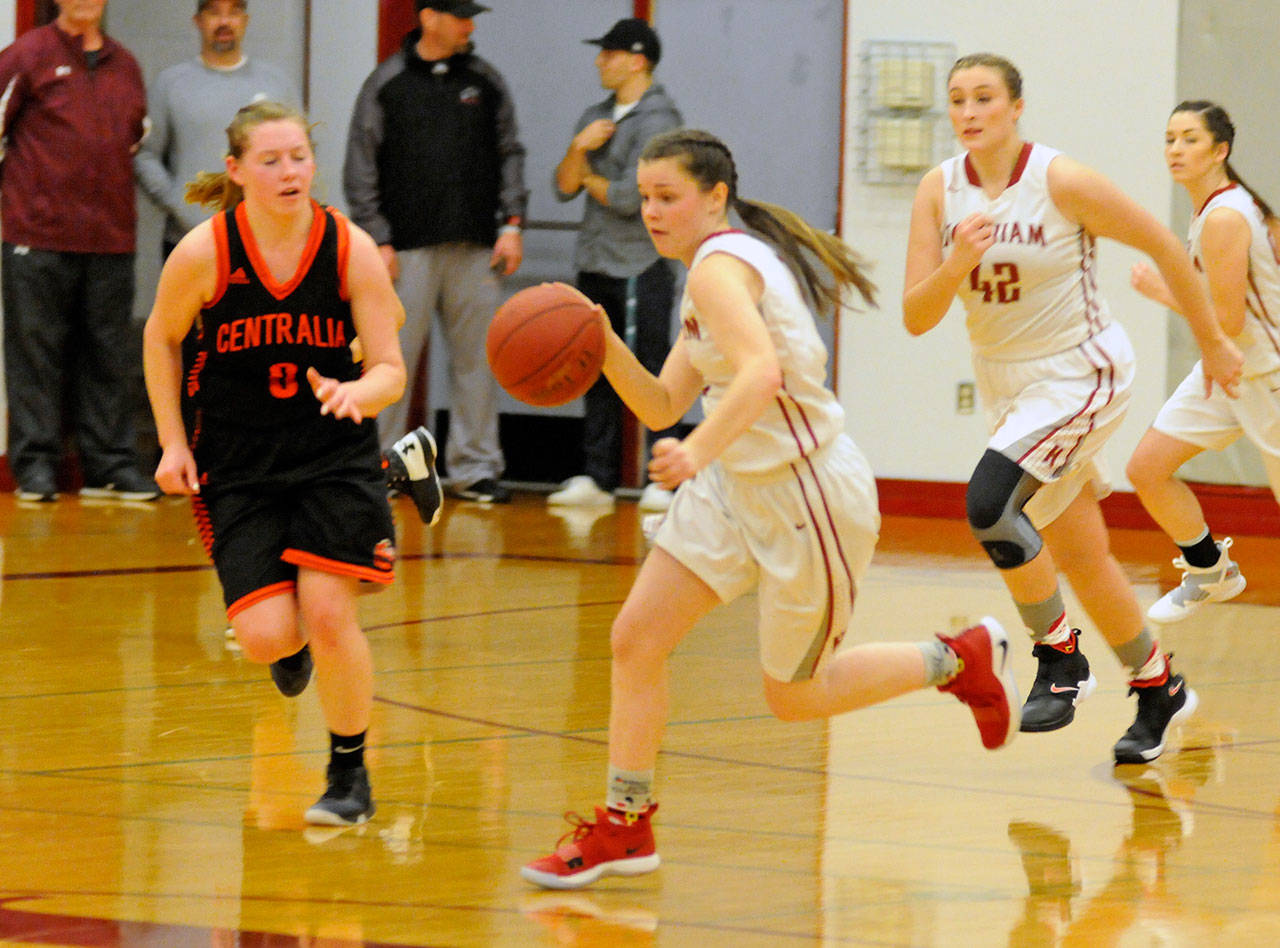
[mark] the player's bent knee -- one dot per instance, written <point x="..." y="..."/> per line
<point x="790" y="700"/>
<point x="998" y="490"/>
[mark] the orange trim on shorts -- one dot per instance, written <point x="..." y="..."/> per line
<point x="259" y="595"/>
<point x="204" y="524"/>
<point x="368" y="574"/>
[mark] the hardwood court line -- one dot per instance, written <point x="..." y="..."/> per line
<point x="74" y="927"/>
<point x="403" y="558"/>
<point x="703" y="757"/>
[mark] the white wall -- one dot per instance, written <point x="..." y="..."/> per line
<point x="1098" y="80"/>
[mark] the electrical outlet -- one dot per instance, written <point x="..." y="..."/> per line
<point x="965" y="398"/>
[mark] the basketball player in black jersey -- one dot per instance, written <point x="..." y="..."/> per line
<point x="282" y="457"/>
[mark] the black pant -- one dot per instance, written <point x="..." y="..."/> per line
<point x="67" y="330"/>
<point x="652" y="295"/>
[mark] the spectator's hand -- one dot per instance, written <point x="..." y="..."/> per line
<point x="508" y="253"/>
<point x="594" y="135"/>
<point x="672" y="463"/>
<point x="176" y="472"/>
<point x="388" y="254"/>
<point x="336" y="398"/>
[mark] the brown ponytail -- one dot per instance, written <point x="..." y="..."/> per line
<point x="708" y="161"/>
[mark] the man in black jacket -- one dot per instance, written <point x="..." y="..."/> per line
<point x="435" y="172"/>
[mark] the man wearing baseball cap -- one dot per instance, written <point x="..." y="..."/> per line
<point x="445" y="210"/>
<point x="631" y="35"/>
<point x="190" y="104"/>
<point x="615" y="261"/>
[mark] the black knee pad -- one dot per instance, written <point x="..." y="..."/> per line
<point x="998" y="490"/>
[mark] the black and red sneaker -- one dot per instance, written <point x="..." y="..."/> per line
<point x="1161" y="705"/>
<point x="1063" y="680"/>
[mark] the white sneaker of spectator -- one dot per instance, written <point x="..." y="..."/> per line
<point x="580" y="491"/>
<point x="655" y="499"/>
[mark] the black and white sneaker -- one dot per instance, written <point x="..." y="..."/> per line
<point x="411" y="470"/>
<point x="347" y="802"/>
<point x="484" y="491"/>
<point x="1160" y="707"/>
<point x="292" y="673"/>
<point x="127" y="485"/>
<point x="1063" y="680"/>
<point x="38" y="487"/>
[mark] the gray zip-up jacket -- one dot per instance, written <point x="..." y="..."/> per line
<point x="613" y="240"/>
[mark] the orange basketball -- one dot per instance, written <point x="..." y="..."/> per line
<point x="546" y="344"/>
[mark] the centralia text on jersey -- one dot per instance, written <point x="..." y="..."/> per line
<point x="272" y="329"/>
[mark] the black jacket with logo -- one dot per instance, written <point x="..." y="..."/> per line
<point x="432" y="154"/>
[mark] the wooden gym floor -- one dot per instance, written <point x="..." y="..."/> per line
<point x="152" y="782"/>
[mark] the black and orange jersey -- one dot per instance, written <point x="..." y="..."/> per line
<point x="258" y="337"/>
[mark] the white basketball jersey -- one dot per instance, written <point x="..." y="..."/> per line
<point x="1035" y="293"/>
<point x="1260" y="338"/>
<point x="805" y="415"/>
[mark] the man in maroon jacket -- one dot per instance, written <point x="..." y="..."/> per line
<point x="74" y="108"/>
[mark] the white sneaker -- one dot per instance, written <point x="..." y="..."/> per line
<point x="655" y="499"/>
<point x="1200" y="585"/>
<point x="580" y="491"/>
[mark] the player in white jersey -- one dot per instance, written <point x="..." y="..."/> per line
<point x="1009" y="227"/>
<point x="1232" y="241"/>
<point x="772" y="494"/>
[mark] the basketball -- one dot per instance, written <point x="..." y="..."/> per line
<point x="546" y="344"/>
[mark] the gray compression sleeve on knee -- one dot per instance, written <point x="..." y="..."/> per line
<point x="998" y="491"/>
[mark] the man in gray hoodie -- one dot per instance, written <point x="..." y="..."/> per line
<point x="615" y="261"/>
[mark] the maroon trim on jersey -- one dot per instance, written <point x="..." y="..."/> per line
<point x="222" y="258"/>
<point x="1225" y="187"/>
<point x="1019" y="166"/>
<point x="344" y="250"/>
<point x="259" y="263"/>
<point x="717" y="233"/>
<point x="1262" y="314"/>
<point x="1089" y="281"/>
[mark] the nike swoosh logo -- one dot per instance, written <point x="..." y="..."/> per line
<point x="1174" y="689"/>
<point x="1059" y="689"/>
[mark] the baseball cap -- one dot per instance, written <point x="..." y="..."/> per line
<point x="633" y="35"/>
<point x="459" y="8"/>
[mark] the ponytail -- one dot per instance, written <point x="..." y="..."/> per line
<point x="216" y="190"/>
<point x="708" y="161"/>
<point x="1220" y="127"/>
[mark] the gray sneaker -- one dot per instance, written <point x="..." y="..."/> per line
<point x="1200" y="585"/>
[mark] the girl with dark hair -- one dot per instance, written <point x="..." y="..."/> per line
<point x="1009" y="227"/>
<point x="772" y="494"/>
<point x="1231" y="240"/>
<point x="281" y="459"/>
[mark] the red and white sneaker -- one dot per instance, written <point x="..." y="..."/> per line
<point x="615" y="844"/>
<point x="985" y="681"/>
